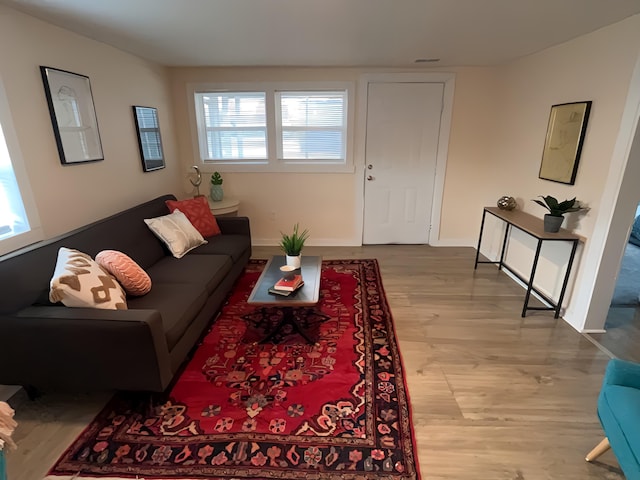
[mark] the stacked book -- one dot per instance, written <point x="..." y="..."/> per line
<point x="286" y="287"/>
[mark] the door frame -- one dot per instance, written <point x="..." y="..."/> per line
<point x="448" y="81"/>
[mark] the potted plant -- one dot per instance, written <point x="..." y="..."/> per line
<point x="553" y="219"/>
<point x="216" y="187"/>
<point x="292" y="245"/>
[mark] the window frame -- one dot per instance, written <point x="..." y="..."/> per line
<point x="35" y="232"/>
<point x="272" y="163"/>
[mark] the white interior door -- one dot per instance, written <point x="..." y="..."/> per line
<point x="403" y="127"/>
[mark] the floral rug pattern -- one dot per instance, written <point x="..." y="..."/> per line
<point x="288" y="410"/>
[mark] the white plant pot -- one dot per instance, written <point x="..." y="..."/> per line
<point x="294" y="261"/>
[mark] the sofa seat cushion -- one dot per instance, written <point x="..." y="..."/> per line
<point x="232" y="245"/>
<point x="619" y="405"/>
<point x="203" y="271"/>
<point x="178" y="303"/>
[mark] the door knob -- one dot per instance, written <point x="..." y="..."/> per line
<point x="369" y="177"/>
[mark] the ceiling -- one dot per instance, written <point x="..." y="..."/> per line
<point x="360" y="33"/>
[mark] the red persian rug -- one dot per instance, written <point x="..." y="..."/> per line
<point x="334" y="410"/>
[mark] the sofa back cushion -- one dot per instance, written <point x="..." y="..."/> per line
<point x="25" y="273"/>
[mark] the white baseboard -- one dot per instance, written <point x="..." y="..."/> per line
<point x="316" y="242"/>
<point x="455" y="242"/>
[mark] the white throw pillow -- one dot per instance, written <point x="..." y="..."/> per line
<point x="177" y="233"/>
<point x="78" y="281"/>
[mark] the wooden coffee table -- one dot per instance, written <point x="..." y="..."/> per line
<point x="307" y="296"/>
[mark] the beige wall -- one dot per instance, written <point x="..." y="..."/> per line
<point x="324" y="203"/>
<point x="330" y="204"/>
<point x="70" y="196"/>
<point x="595" y="67"/>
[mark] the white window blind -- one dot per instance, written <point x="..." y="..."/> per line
<point x="232" y="125"/>
<point x="312" y="125"/>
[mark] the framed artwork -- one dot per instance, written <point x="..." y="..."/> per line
<point x="73" y="116"/>
<point x="149" y="140"/>
<point x="563" y="143"/>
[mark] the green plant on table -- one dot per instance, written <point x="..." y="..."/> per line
<point x="292" y="244"/>
<point x="558" y="209"/>
<point x="216" y="179"/>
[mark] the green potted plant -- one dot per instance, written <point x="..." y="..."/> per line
<point x="292" y="245"/>
<point x="216" y="187"/>
<point x="553" y="219"/>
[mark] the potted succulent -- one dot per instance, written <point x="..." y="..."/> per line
<point x="216" y="187"/>
<point x="292" y="245"/>
<point x="553" y="219"/>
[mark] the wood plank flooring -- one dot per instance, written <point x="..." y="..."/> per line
<point x="494" y="396"/>
<point x="622" y="337"/>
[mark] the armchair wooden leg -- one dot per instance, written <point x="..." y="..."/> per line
<point x="602" y="447"/>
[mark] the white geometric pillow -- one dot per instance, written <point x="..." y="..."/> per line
<point x="177" y="233"/>
<point x="78" y="281"/>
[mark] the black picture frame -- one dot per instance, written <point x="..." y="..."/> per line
<point x="149" y="138"/>
<point x="563" y="143"/>
<point x="73" y="116"/>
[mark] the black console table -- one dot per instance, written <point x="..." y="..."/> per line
<point x="534" y="227"/>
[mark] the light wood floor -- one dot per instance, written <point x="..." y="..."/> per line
<point x="494" y="396"/>
<point x="622" y="337"/>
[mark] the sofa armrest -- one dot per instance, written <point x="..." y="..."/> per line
<point x="623" y="373"/>
<point x="234" y="225"/>
<point x="84" y="348"/>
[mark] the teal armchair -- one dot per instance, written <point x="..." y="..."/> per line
<point x="619" y="413"/>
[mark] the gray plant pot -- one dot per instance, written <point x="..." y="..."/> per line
<point x="552" y="224"/>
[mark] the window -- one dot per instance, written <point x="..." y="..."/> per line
<point x="233" y="126"/>
<point x="13" y="218"/>
<point x="17" y="227"/>
<point x="311" y="125"/>
<point x="274" y="127"/>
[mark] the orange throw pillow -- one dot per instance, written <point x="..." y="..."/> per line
<point x="199" y="214"/>
<point x="131" y="276"/>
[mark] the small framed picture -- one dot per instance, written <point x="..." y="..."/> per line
<point x="149" y="139"/>
<point x="73" y="116"/>
<point x="563" y="143"/>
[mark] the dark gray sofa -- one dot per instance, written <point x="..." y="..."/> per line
<point x="50" y="346"/>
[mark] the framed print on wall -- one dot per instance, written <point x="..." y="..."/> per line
<point x="149" y="140"/>
<point x="563" y="143"/>
<point x="73" y="116"/>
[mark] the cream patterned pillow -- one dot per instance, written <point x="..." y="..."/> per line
<point x="78" y="281"/>
<point x="177" y="233"/>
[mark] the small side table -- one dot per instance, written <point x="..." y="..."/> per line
<point x="225" y="207"/>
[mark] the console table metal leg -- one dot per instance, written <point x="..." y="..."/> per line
<point x="566" y="278"/>
<point x="484" y="214"/>
<point x="530" y="282"/>
<point x="507" y="227"/>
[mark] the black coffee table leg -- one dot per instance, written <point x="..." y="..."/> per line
<point x="288" y="318"/>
